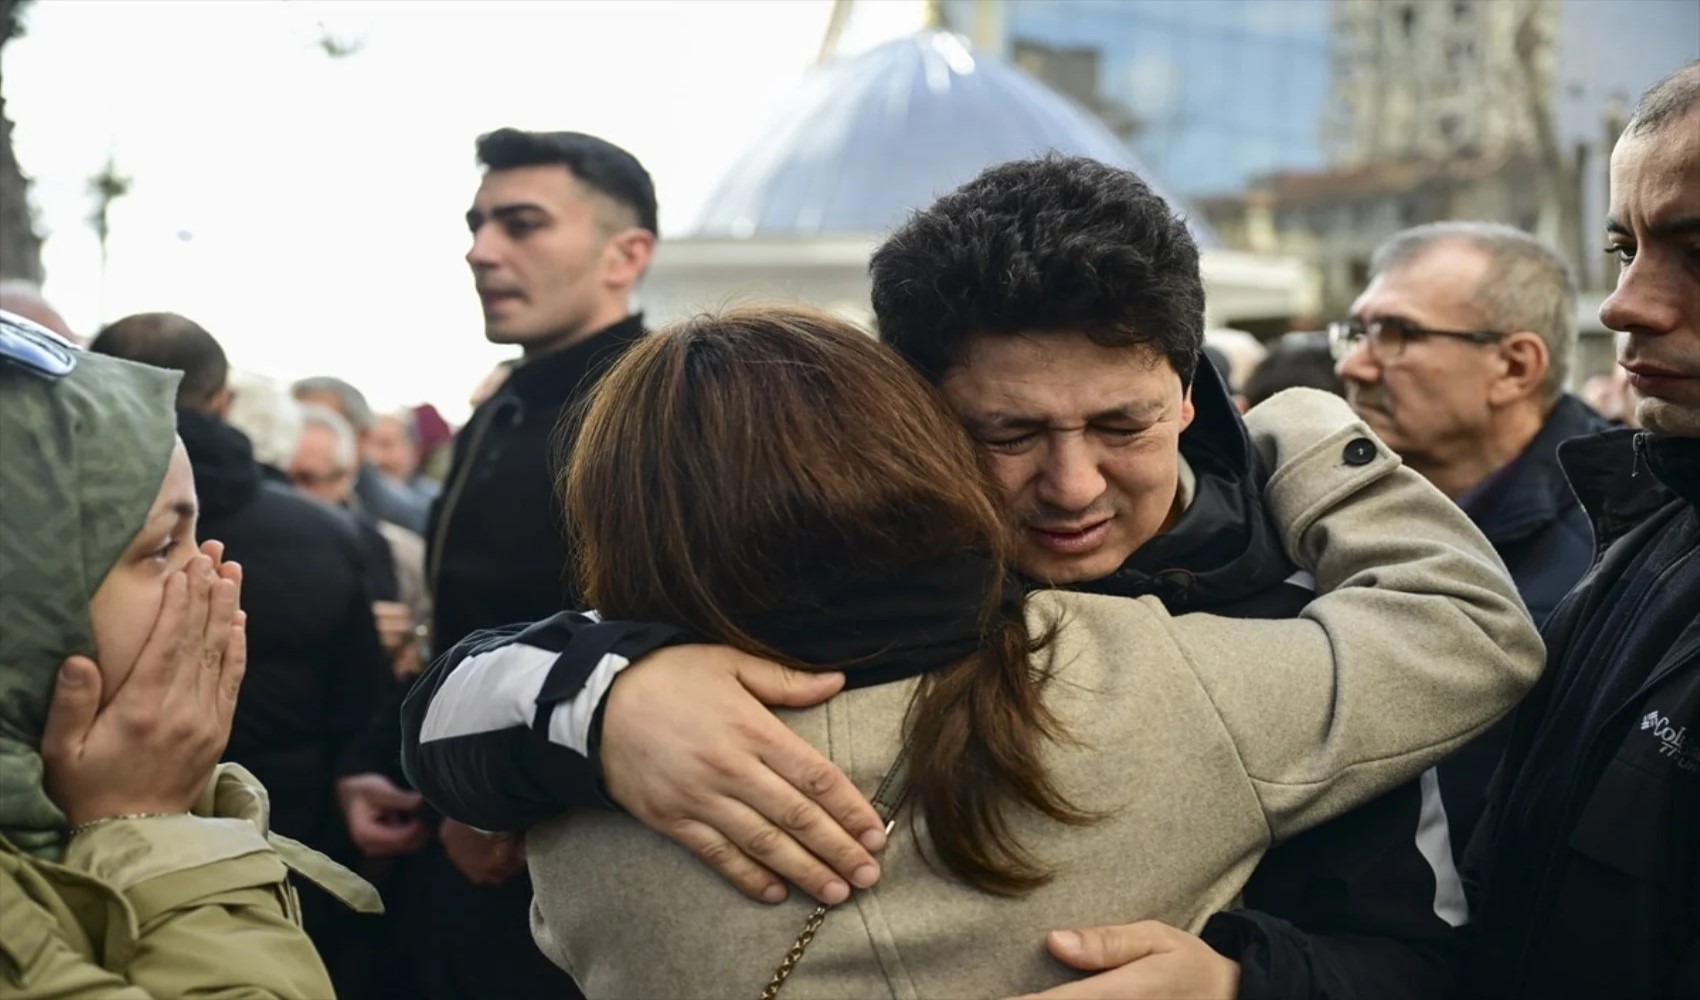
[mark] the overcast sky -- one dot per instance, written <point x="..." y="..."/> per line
<point x="308" y="211"/>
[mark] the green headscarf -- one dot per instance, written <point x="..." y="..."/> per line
<point x="82" y="459"/>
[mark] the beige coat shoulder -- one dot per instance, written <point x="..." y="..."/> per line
<point x="1416" y="642"/>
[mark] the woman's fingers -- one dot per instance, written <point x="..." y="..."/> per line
<point x="202" y="576"/>
<point x="773" y="848"/>
<point x="221" y="617"/>
<point x="232" y="571"/>
<point x="71" y="714"/>
<point x="732" y="864"/>
<point x="222" y="676"/>
<point x="158" y="661"/>
<point x="194" y="653"/>
<point x="232" y="669"/>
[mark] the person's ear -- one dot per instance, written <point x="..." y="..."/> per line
<point x="219" y="405"/>
<point x="627" y="257"/>
<point x="1521" y="365"/>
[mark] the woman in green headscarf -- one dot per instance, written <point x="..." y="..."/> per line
<point x="131" y="863"/>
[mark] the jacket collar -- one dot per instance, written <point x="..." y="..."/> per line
<point x="1223" y="547"/>
<point x="1621" y="476"/>
<point x="1531" y="491"/>
<point x="1675" y="461"/>
<point x="556" y="377"/>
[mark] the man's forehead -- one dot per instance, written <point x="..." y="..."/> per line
<point x="546" y="185"/>
<point x="1062" y="353"/>
<point x="1444" y="276"/>
<point x="1655" y="177"/>
<point x="1058" y="378"/>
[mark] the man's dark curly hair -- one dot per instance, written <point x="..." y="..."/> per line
<point x="1050" y="244"/>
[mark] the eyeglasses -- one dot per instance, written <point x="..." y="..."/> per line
<point x="1387" y="337"/>
<point x="314" y="480"/>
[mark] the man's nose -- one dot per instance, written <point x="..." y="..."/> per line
<point x="481" y="255"/>
<point x="1359" y="364"/>
<point x="1071" y="478"/>
<point x="1641" y="304"/>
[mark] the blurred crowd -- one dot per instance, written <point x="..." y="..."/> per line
<point x="393" y="599"/>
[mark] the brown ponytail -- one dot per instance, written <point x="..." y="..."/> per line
<point x="723" y="461"/>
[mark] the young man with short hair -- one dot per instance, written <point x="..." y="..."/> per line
<point x="563" y="226"/>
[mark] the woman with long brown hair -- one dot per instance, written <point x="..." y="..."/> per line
<point x="774" y="480"/>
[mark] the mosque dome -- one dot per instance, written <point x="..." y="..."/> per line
<point x="867" y="139"/>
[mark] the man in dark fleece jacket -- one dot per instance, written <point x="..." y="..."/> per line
<point x="1058" y="304"/>
<point x="1586" y="865"/>
<point x="563" y="226"/>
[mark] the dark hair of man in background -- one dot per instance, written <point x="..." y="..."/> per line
<point x="1667" y="101"/>
<point x="597" y="163"/>
<point x="1294" y="361"/>
<point x="1077" y="245"/>
<point x="167" y="340"/>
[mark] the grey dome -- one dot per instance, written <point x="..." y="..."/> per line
<point x="867" y="139"/>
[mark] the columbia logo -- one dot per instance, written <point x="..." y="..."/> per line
<point x="1652" y="720"/>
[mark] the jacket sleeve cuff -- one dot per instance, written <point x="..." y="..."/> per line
<point x="627" y="643"/>
<point x="1281" y="961"/>
<point x="1270" y="951"/>
<point x="502" y="734"/>
<point x="209" y="883"/>
<point x="125" y="853"/>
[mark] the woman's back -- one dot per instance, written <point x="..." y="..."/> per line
<point x="630" y="913"/>
<point x="1197" y="741"/>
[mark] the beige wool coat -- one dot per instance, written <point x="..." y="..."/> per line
<point x="1202" y="741"/>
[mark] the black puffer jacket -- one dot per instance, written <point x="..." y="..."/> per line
<point x="315" y="668"/>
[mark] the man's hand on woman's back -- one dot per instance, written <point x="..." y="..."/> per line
<point x="691" y="751"/>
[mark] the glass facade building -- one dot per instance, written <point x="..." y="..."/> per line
<point x="1210" y="93"/>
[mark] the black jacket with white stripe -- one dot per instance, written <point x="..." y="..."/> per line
<point x="502" y="733"/>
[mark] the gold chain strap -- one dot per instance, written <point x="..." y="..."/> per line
<point x="887" y="810"/>
<point x="795" y="955"/>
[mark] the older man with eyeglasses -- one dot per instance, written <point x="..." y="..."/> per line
<point x="1457" y="354"/>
